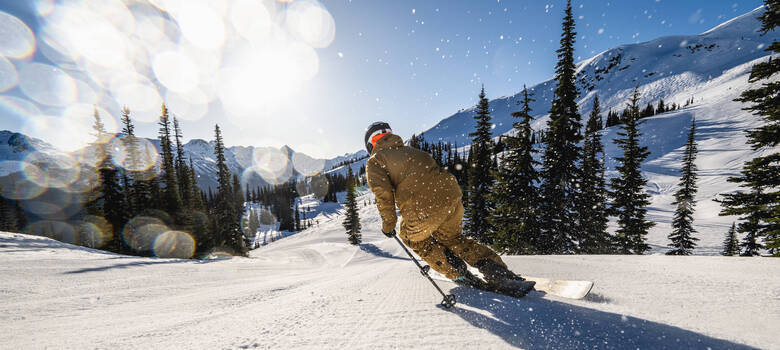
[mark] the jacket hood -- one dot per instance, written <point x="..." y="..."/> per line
<point x="388" y="141"/>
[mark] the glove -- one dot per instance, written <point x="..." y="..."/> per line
<point x="390" y="234"/>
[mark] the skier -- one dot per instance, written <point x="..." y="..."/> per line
<point x="429" y="199"/>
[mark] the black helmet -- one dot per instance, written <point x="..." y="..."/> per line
<point x="373" y="130"/>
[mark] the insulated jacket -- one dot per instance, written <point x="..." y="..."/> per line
<point x="424" y="192"/>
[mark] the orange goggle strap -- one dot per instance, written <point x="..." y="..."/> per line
<point x="376" y="138"/>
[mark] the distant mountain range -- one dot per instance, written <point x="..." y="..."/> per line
<point x="257" y="166"/>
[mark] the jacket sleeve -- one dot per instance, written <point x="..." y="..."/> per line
<point x="379" y="182"/>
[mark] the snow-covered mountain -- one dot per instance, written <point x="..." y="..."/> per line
<point x="673" y="68"/>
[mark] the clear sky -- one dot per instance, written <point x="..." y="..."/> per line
<point x="308" y="74"/>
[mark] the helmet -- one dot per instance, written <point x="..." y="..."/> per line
<point x="375" y="129"/>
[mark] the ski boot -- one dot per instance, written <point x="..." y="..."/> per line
<point x="502" y="280"/>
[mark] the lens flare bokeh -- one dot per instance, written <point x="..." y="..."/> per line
<point x="141" y="232"/>
<point x="247" y="55"/>
<point x="17" y="40"/>
<point x="20" y="180"/>
<point x="94" y="231"/>
<point x="78" y="59"/>
<point x="146" y="158"/>
<point x="306" y="165"/>
<point x="174" y="244"/>
<point x="9" y="77"/>
<point x="59" y="230"/>
<point x="47" y="85"/>
<point x="273" y="165"/>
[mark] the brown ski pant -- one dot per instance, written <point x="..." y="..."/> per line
<point x="445" y="239"/>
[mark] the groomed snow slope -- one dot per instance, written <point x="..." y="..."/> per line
<point x="313" y="290"/>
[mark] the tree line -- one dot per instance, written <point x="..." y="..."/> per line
<point x="562" y="204"/>
<point x="134" y="203"/>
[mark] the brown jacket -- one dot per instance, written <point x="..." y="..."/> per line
<point x="424" y="192"/>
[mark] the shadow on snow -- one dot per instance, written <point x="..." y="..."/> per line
<point x="374" y="250"/>
<point x="537" y="323"/>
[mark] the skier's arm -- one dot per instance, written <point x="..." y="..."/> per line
<point x="379" y="182"/>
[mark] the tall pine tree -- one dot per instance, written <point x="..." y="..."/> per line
<point x="183" y="176"/>
<point x="111" y="201"/>
<point x="228" y="233"/>
<point x="514" y="217"/>
<point x="682" y="238"/>
<point x="731" y="244"/>
<point x="592" y="202"/>
<point x="352" y="219"/>
<point x="760" y="206"/>
<point x="630" y="199"/>
<point x="478" y="205"/>
<point x="171" y="200"/>
<point x="136" y="192"/>
<point x="560" y="171"/>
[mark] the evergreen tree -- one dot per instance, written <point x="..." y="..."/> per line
<point x="760" y="206"/>
<point x="751" y="226"/>
<point x="352" y="220"/>
<point x="227" y="230"/>
<point x="297" y="218"/>
<point x="92" y="202"/>
<point x="514" y="217"/>
<point x="682" y="238"/>
<point x="182" y="171"/>
<point x="592" y="202"/>
<point x="110" y="202"/>
<point x="630" y="199"/>
<point x="133" y="166"/>
<point x="560" y="171"/>
<point x="21" y="216"/>
<point x="480" y="180"/>
<point x="171" y="200"/>
<point x="197" y="198"/>
<point x="6" y="220"/>
<point x="731" y="245"/>
<point x="238" y="197"/>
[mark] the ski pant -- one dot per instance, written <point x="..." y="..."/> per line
<point x="442" y="244"/>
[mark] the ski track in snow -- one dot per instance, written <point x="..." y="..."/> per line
<point x="313" y="290"/>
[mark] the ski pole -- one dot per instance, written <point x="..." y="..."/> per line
<point x="449" y="299"/>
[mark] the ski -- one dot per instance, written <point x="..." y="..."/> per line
<point x="562" y="288"/>
<point x="568" y="289"/>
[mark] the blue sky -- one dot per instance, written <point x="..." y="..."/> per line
<point x="410" y="63"/>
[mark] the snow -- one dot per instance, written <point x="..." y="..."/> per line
<point x="313" y="290"/>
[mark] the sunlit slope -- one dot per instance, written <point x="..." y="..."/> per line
<point x="313" y="290"/>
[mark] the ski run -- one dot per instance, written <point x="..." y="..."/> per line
<point x="314" y="290"/>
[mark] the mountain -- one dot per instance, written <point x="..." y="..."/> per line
<point x="257" y="166"/>
<point x="673" y="68"/>
<point x="712" y="68"/>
